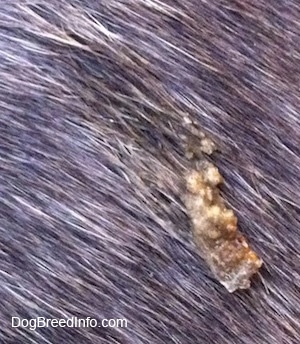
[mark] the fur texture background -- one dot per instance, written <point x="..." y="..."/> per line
<point x="97" y="101"/>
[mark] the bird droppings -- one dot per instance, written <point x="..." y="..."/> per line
<point x="215" y="230"/>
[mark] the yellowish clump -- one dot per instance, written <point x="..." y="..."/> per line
<point x="215" y="230"/>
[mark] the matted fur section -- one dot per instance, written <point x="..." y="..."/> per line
<point x="97" y="102"/>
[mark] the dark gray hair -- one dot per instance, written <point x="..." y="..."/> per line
<point x="99" y="102"/>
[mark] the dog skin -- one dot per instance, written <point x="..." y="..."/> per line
<point x="101" y="104"/>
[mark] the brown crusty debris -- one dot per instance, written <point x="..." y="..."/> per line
<point x="215" y="230"/>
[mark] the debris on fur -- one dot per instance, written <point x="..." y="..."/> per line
<point x="215" y="230"/>
<point x="198" y="146"/>
<point x="197" y="142"/>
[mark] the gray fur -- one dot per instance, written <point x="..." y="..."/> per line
<point x="96" y="104"/>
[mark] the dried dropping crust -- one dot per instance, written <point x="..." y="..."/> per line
<point x="215" y="230"/>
